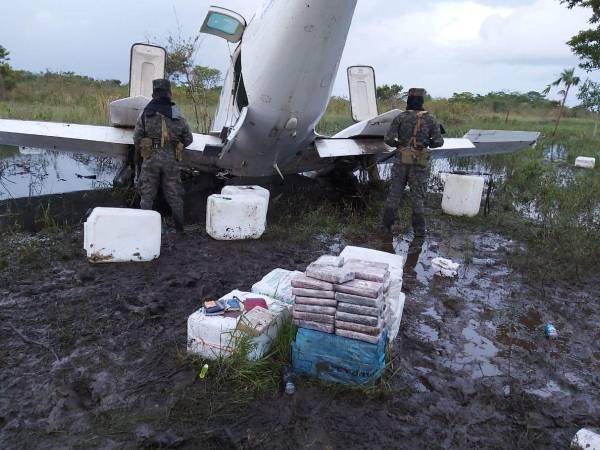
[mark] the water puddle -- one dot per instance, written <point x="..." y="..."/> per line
<point x="556" y="153"/>
<point x="30" y="172"/>
<point x="477" y="354"/>
<point x="551" y="389"/>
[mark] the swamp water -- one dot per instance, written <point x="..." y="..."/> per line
<point x="29" y="172"/>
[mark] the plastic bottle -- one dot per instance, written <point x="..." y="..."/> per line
<point x="288" y="382"/>
<point x="203" y="372"/>
<point x="551" y="332"/>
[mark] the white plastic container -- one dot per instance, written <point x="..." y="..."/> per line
<point x="122" y="235"/>
<point x="213" y="337"/>
<point x="586" y="439"/>
<point x="445" y="267"/>
<point x="277" y="284"/>
<point x="236" y="217"/>
<point x="394" y="307"/>
<point x="246" y="190"/>
<point x="462" y="195"/>
<point x="125" y="112"/>
<point x="585" y="162"/>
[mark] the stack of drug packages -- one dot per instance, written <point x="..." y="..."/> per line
<point x="345" y="297"/>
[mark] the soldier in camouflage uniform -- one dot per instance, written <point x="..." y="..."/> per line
<point x="412" y="132"/>
<point x="160" y="135"/>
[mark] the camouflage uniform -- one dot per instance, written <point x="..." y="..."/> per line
<point x="165" y="140"/>
<point x="412" y="132"/>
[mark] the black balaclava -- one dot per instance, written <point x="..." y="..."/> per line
<point x="161" y="99"/>
<point x="415" y="103"/>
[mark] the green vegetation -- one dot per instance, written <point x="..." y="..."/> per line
<point x="568" y="79"/>
<point x="586" y="43"/>
<point x="8" y="77"/>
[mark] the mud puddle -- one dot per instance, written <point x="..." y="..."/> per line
<point x="92" y="356"/>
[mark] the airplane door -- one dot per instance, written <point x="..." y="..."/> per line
<point x="224" y="23"/>
<point x="147" y="64"/>
<point x="363" y="92"/>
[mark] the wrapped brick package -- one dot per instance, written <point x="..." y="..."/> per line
<point x="328" y="260"/>
<point x="314" y="293"/>
<point x="357" y="336"/>
<point x="327" y="310"/>
<point x="364" y="329"/>
<point x="315" y="301"/>
<point x="355" y="318"/>
<point x="321" y="318"/>
<point x="361" y="288"/>
<point x="361" y="310"/>
<point x="316" y="326"/>
<point x="364" y="270"/>
<point x="358" y="300"/>
<point x="304" y="282"/>
<point x="335" y="275"/>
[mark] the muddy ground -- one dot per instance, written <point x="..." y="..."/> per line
<point x="93" y="356"/>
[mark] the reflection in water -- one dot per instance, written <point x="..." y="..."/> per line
<point x="30" y="172"/>
<point x="555" y="152"/>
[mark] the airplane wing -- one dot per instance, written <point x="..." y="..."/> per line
<point x="91" y="139"/>
<point x="366" y="138"/>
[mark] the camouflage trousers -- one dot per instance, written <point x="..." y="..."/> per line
<point x="164" y="171"/>
<point x="416" y="177"/>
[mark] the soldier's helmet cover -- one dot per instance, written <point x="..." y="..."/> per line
<point x="416" y="92"/>
<point x="161" y="85"/>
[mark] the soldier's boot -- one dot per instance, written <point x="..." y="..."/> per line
<point x="418" y="223"/>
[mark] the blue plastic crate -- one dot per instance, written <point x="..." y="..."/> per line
<point x="338" y="359"/>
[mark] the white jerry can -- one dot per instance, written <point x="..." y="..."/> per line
<point x="214" y="337"/>
<point x="125" y="112"/>
<point x="462" y="195"/>
<point x="246" y="190"/>
<point x="122" y="235"/>
<point x="236" y="217"/>
<point x="585" y="162"/>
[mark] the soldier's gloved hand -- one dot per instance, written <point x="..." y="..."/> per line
<point x="389" y="217"/>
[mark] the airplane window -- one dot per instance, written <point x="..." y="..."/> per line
<point x="223" y="23"/>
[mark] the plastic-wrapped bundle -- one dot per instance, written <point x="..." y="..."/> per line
<point x="327" y="310"/>
<point x="357" y="336"/>
<point x="359" y="300"/>
<point x="304" y="282"/>
<point x="355" y="318"/>
<point x="361" y="288"/>
<point x="316" y="326"/>
<point x="315" y="301"/>
<point x="359" y="310"/>
<point x="328" y="260"/>
<point x="313" y="293"/>
<point x="370" y="271"/>
<point x="336" y="275"/>
<point x="364" y="329"/>
<point x="321" y="318"/>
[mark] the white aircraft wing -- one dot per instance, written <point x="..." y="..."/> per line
<point x="89" y="139"/>
<point x="338" y="147"/>
<point x="366" y="138"/>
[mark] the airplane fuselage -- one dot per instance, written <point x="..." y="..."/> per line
<point x="289" y="59"/>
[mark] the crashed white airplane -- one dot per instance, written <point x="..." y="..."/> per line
<point x="275" y="92"/>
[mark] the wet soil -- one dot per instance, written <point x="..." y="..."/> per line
<point x="93" y="355"/>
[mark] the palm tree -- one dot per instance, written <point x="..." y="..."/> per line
<point x="568" y="79"/>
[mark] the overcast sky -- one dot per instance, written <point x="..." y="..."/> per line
<point x="445" y="46"/>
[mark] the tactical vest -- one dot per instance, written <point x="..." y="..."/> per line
<point x="149" y="146"/>
<point x="413" y="154"/>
